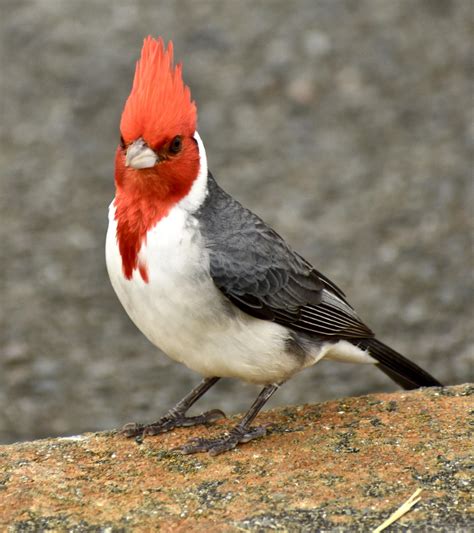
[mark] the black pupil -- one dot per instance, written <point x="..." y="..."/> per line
<point x="176" y="145"/>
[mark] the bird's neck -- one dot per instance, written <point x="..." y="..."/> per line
<point x="135" y="216"/>
<point x="138" y="208"/>
<point x="143" y="199"/>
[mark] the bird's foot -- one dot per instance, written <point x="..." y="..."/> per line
<point x="170" y="421"/>
<point x="224" y="443"/>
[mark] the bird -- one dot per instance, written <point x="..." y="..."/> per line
<point x="205" y="279"/>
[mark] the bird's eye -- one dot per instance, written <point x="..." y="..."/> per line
<point x="176" y="145"/>
<point x="122" y="142"/>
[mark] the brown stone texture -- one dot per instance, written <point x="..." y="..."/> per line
<point x="344" y="465"/>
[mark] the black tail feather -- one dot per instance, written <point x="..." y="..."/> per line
<point x="407" y="374"/>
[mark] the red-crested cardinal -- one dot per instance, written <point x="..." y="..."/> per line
<point x="206" y="280"/>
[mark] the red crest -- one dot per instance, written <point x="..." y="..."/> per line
<point x="159" y="106"/>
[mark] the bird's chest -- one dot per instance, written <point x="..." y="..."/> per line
<point x="172" y="299"/>
<point x="170" y="295"/>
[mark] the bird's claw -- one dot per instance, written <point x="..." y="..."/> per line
<point x="222" y="444"/>
<point x="170" y="422"/>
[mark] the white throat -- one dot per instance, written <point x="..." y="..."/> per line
<point x="196" y="196"/>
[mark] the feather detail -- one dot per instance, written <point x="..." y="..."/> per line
<point x="160" y="104"/>
<point x="268" y="280"/>
<point x="397" y="367"/>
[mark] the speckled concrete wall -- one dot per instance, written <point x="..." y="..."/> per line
<point x="346" y="125"/>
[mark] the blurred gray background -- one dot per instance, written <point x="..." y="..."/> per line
<point x="348" y="126"/>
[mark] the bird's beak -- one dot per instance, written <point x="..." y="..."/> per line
<point x="139" y="155"/>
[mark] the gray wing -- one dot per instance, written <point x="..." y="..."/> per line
<point x="256" y="270"/>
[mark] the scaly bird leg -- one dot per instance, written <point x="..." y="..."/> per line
<point x="241" y="433"/>
<point x="175" y="417"/>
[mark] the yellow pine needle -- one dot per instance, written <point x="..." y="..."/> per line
<point x="404" y="508"/>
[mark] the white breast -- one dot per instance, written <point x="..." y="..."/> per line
<point x="182" y="312"/>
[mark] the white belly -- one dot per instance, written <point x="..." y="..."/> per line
<point x="182" y="312"/>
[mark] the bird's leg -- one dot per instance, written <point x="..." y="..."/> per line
<point x="241" y="433"/>
<point x="175" y="417"/>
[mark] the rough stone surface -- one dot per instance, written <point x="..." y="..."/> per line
<point x="344" y="465"/>
<point x="347" y="125"/>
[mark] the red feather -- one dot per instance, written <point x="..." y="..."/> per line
<point x="159" y="106"/>
<point x="158" y="109"/>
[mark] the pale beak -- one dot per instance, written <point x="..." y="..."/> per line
<point x="139" y="155"/>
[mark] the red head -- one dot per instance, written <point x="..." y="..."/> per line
<point x="158" y="158"/>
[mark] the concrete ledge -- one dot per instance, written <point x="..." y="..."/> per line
<point x="338" y="466"/>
